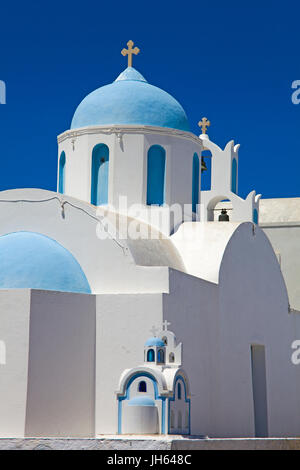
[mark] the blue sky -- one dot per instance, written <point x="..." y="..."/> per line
<point x="230" y="61"/>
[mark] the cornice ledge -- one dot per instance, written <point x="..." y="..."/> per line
<point x="128" y="129"/>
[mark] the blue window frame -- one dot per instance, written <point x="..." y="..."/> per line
<point x="150" y="355"/>
<point x="100" y="170"/>
<point x="195" y="184"/>
<point x="156" y="163"/>
<point x="61" y="173"/>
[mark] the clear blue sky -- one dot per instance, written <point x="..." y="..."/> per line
<point x="231" y="61"/>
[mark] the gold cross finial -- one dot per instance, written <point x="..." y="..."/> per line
<point x="129" y="52"/>
<point x="204" y="124"/>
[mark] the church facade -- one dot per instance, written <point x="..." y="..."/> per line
<point x="97" y="278"/>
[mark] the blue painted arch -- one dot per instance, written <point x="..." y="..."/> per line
<point x="196" y="182"/>
<point x="156" y="397"/>
<point x="234" y="176"/>
<point x="99" y="175"/>
<point x="34" y="261"/>
<point x="255" y="216"/>
<point x="180" y="380"/>
<point x="156" y="165"/>
<point x="61" y="173"/>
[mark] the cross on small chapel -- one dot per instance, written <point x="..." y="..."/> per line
<point x="165" y="325"/>
<point x="129" y="52"/>
<point x="154" y="330"/>
<point x="204" y="124"/>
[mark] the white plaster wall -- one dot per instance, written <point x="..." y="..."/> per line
<point x="14" y="331"/>
<point x="254" y="310"/>
<point x="285" y="240"/>
<point x="123" y="325"/>
<point x="249" y="306"/>
<point x="107" y="264"/>
<point x="192" y="309"/>
<point x="61" y="370"/>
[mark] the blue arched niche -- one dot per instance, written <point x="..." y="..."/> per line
<point x="99" y="180"/>
<point x="156" y="164"/>
<point x="150" y="355"/>
<point x="195" y="185"/>
<point x="61" y="173"/>
<point x="234" y="176"/>
<point x="255" y="216"/>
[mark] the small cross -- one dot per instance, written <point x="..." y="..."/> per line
<point x="165" y="325"/>
<point x="154" y="330"/>
<point x="129" y="52"/>
<point x="204" y="124"/>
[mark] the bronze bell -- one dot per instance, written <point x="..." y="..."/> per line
<point x="223" y="217"/>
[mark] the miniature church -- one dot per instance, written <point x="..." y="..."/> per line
<point x="97" y="278"/>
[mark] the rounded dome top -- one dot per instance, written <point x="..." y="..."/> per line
<point x="33" y="261"/>
<point x="130" y="99"/>
<point x="141" y="401"/>
<point x="155" y="342"/>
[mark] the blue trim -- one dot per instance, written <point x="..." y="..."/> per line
<point x="187" y="400"/>
<point x="127" y="397"/>
<point x="150" y="355"/>
<point x="234" y="176"/>
<point x="255" y="216"/>
<point x="156" y="169"/>
<point x="195" y="184"/>
<point x="99" y="177"/>
<point x="61" y="173"/>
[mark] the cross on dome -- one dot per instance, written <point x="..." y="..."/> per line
<point x="165" y="325"/>
<point x="129" y="52"/>
<point x="204" y="124"/>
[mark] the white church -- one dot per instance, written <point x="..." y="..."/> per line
<point x="97" y="278"/>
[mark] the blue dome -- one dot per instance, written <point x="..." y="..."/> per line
<point x="34" y="261"/>
<point x="141" y="401"/>
<point x="130" y="100"/>
<point x="154" y="342"/>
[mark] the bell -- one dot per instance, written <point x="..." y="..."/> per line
<point x="203" y="165"/>
<point x="223" y="217"/>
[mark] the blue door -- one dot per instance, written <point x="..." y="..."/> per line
<point x="100" y="170"/>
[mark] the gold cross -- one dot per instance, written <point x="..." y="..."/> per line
<point x="204" y="124"/>
<point x="129" y="52"/>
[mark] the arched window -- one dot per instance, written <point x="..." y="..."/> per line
<point x="195" y="185"/>
<point x="234" y="176"/>
<point x="150" y="355"/>
<point x="165" y="340"/>
<point x="179" y="391"/>
<point x="61" y="173"/>
<point x="179" y="425"/>
<point x="99" y="180"/>
<point x="255" y="216"/>
<point x="156" y="164"/>
<point x="171" y="357"/>
<point x="160" y="356"/>
<point x="142" y="386"/>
